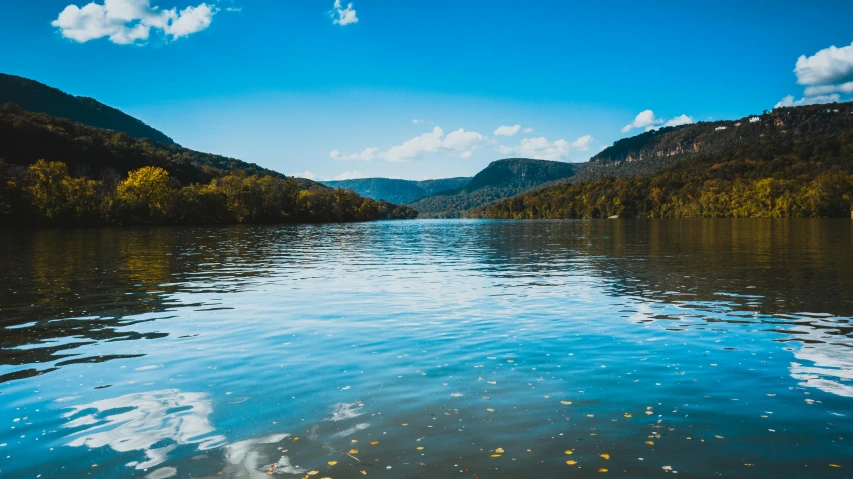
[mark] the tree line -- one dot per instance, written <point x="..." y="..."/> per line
<point x="778" y="178"/>
<point x="46" y="194"/>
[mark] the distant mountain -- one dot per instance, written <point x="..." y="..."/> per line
<point x="398" y="191"/>
<point x="27" y="137"/>
<point x="791" y="162"/>
<point x="501" y="179"/>
<point x="39" y="98"/>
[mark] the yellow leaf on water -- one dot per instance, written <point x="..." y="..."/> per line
<point x="332" y="463"/>
<point x="569" y="451"/>
<point x="490" y="409"/>
<point x="363" y="472"/>
<point x="571" y="463"/>
<point x="590" y="415"/>
<point x="373" y="443"/>
<point x="719" y="437"/>
<point x="650" y="443"/>
<point x="313" y="473"/>
<point x="353" y="451"/>
<point x="510" y="360"/>
<point x="405" y="424"/>
<point x="627" y="414"/>
<point x="355" y="440"/>
<point x="565" y="402"/>
<point x="420" y="448"/>
<point x="495" y="455"/>
<point x="499" y="450"/>
<point x="295" y="438"/>
<point x="605" y="455"/>
<point x="602" y="470"/>
<point x="834" y="465"/>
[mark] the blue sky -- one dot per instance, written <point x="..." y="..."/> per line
<point x="300" y="86"/>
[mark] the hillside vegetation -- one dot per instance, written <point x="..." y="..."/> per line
<point x="39" y="98"/>
<point x="398" y="191"/>
<point x="501" y="179"/>
<point x="792" y="162"/>
<point x="54" y="172"/>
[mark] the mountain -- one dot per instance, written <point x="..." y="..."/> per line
<point x="39" y="98"/>
<point x="501" y="179"/>
<point x="398" y="191"/>
<point x="791" y="162"/>
<point x="27" y="137"/>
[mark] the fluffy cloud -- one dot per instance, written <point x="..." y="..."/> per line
<point x="349" y="175"/>
<point x="460" y="142"/>
<point x="305" y="174"/>
<point x="647" y="120"/>
<point x="130" y="21"/>
<point x="644" y="119"/>
<point x="368" y="154"/>
<point x="343" y="16"/>
<point x="505" y="130"/>
<point x="542" y="149"/>
<point x="582" y="143"/>
<point x="809" y="100"/>
<point x="528" y="130"/>
<point x="679" y="120"/>
<point x="539" y="148"/>
<point x="827" y="75"/>
<point x="826" y="67"/>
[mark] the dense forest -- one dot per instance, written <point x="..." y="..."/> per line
<point x="777" y="177"/>
<point x="54" y="172"/>
<point x="40" y="98"/>
<point x="501" y="179"/>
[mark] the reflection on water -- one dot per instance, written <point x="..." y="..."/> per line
<point x="430" y="348"/>
<point x="154" y="423"/>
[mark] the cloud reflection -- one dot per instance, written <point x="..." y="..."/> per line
<point x="153" y="422"/>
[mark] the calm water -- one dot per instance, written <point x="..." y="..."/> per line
<point x="431" y="349"/>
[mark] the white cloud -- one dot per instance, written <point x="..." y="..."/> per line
<point x="419" y="122"/>
<point x="131" y="21"/>
<point x="368" y="154"/>
<point x="305" y="174"/>
<point x="828" y="66"/>
<point x="827" y="89"/>
<point x="809" y="100"/>
<point x="528" y="130"/>
<point x="644" y="119"/>
<point x="505" y="130"/>
<point x="415" y="147"/>
<point x="582" y="143"/>
<point x="343" y="16"/>
<point x="460" y="142"/>
<point x="539" y="148"/>
<point x="679" y="120"/>
<point x="827" y="75"/>
<point x="349" y="175"/>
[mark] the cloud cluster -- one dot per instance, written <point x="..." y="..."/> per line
<point x="827" y="75"/>
<point x="505" y="130"/>
<point x="460" y="142"/>
<point x="646" y="119"/>
<point x="131" y="21"/>
<point x="542" y="149"/>
<point x="343" y="16"/>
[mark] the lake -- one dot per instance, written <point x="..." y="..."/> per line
<point x="429" y="349"/>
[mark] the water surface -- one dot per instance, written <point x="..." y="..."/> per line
<point x="484" y="349"/>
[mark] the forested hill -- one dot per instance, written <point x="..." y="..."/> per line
<point x="26" y="137"/>
<point x="501" y="179"/>
<point x="54" y="172"/>
<point x="39" y="98"/>
<point x="398" y="191"/>
<point x="792" y="162"/>
<point x="654" y="150"/>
